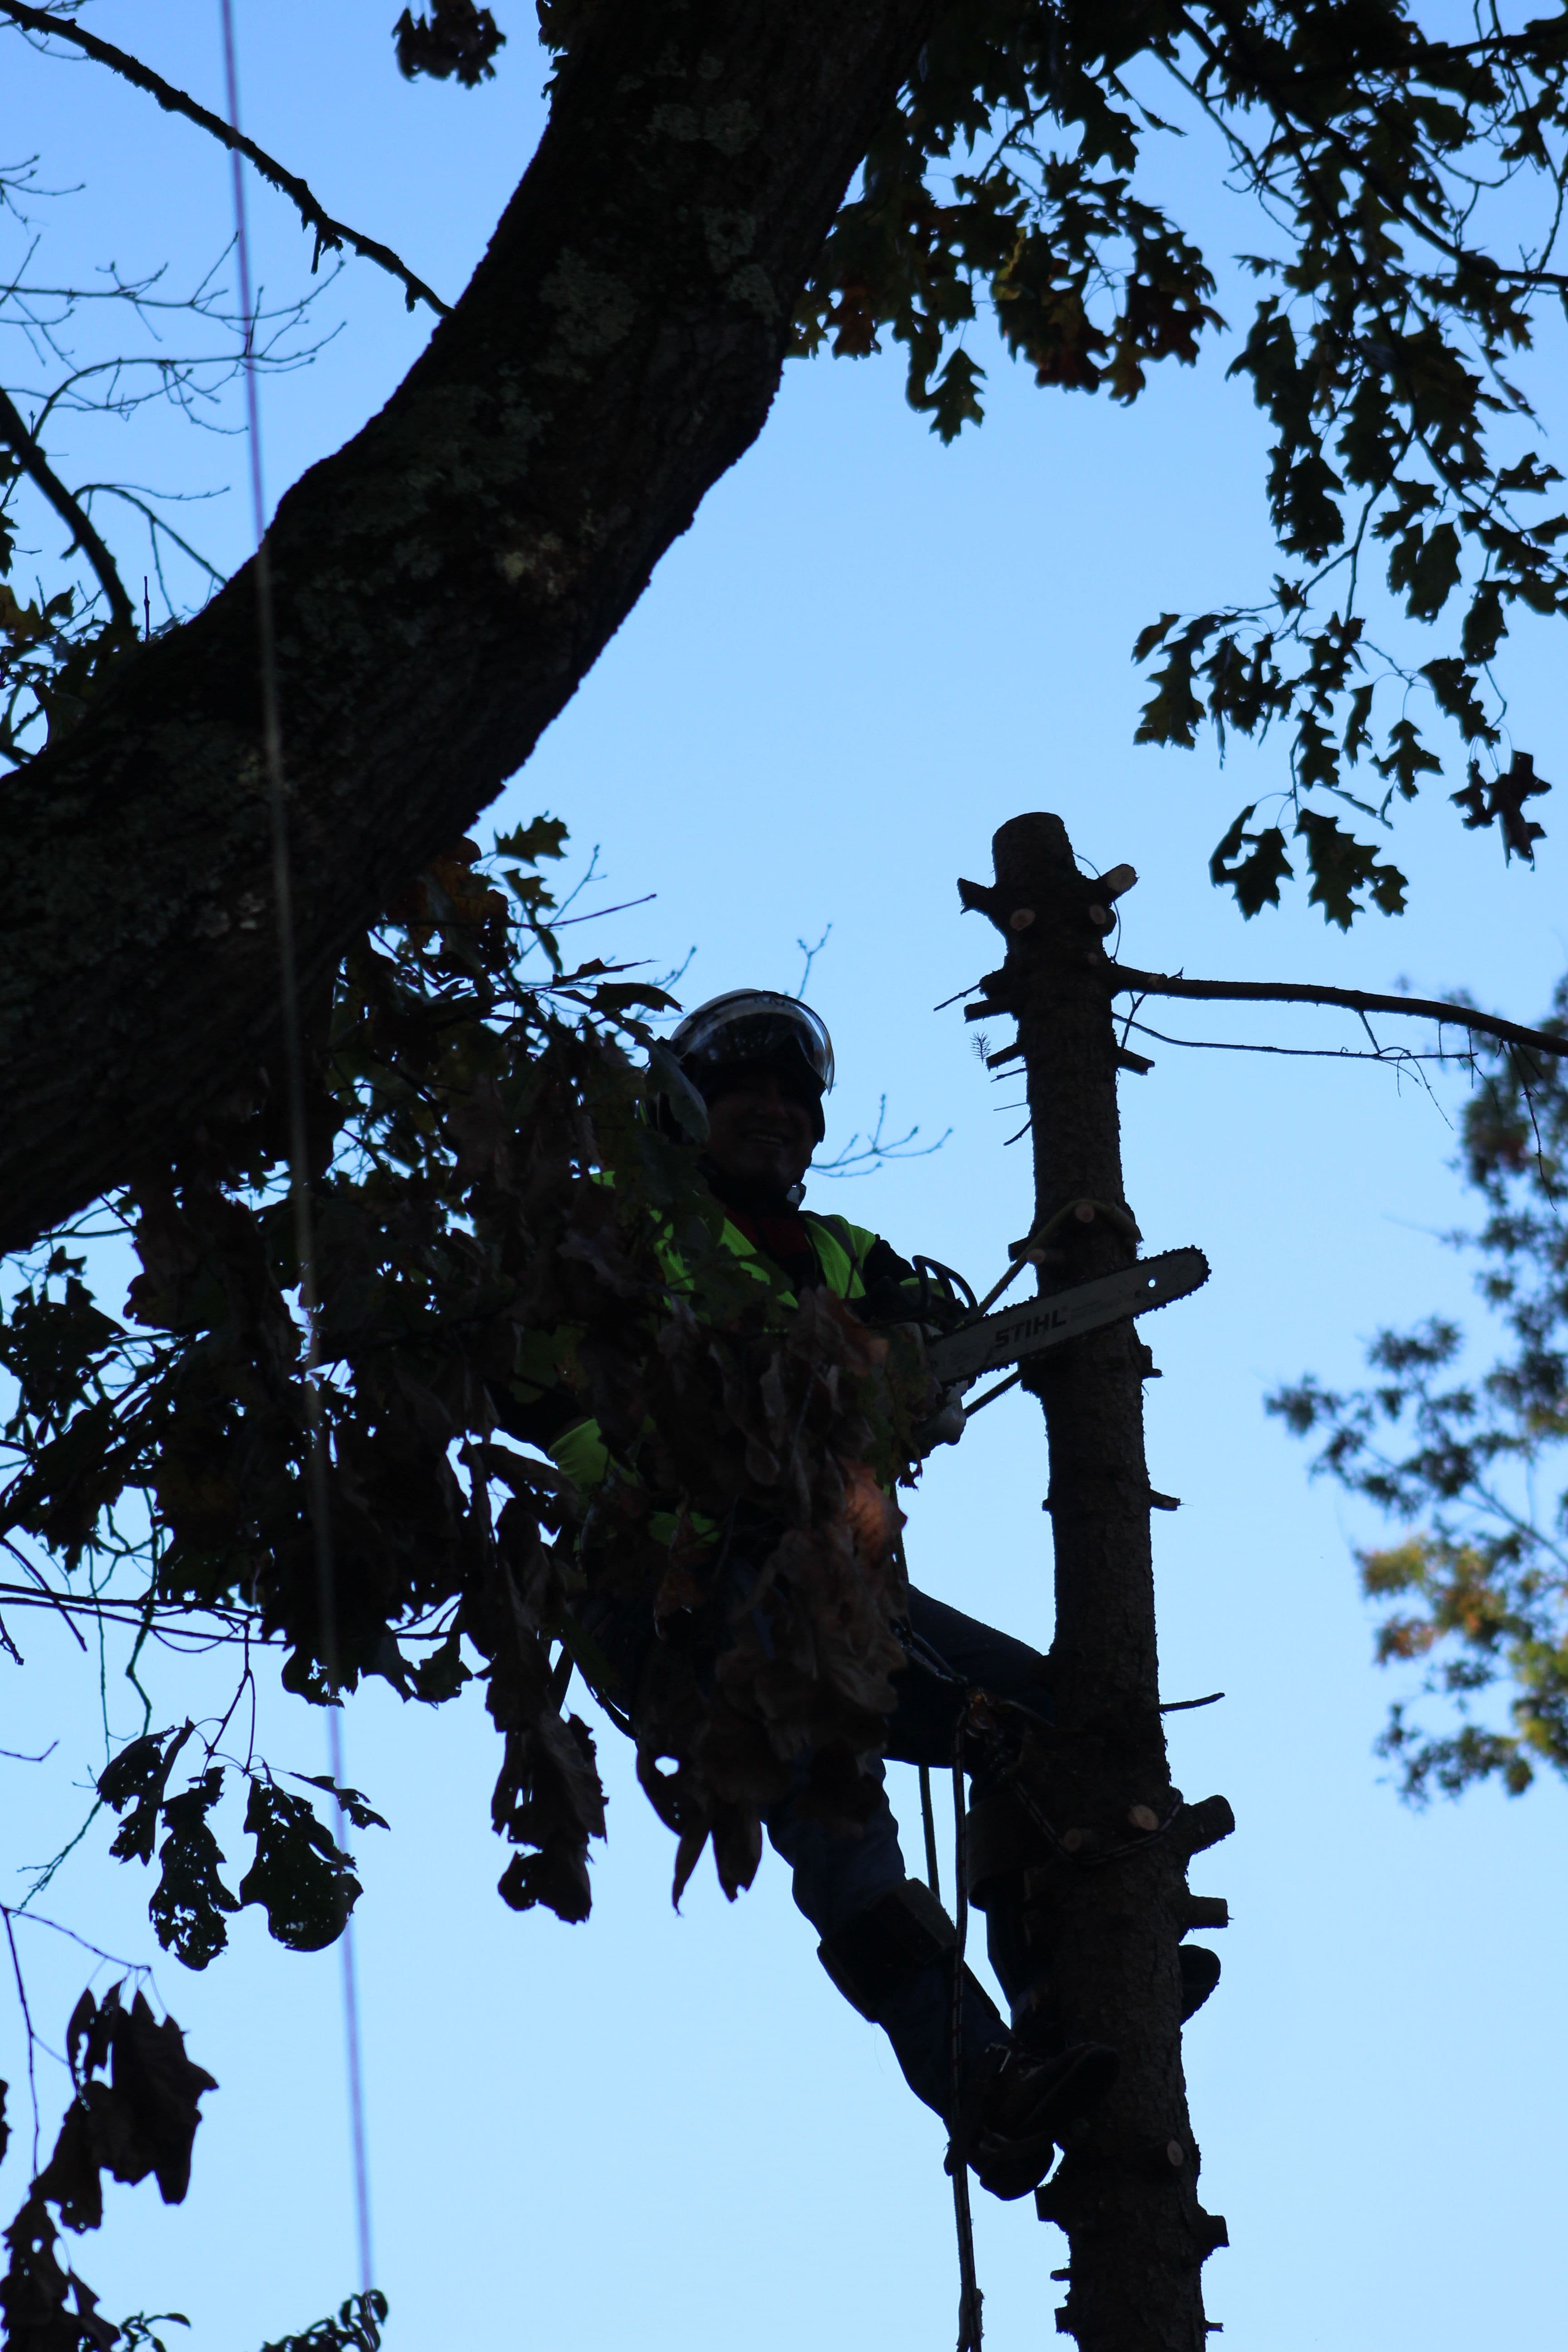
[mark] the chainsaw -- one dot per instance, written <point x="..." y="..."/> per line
<point x="1015" y="1334"/>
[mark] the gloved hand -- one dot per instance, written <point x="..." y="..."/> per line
<point x="945" y="1426"/>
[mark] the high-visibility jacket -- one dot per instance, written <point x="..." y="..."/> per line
<point x="840" y="1250"/>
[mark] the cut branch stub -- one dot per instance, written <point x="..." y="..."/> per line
<point x="1199" y="1826"/>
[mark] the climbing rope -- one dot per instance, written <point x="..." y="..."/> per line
<point x="298" y="1163"/>
<point x="969" y="2295"/>
<point x="981" y="1717"/>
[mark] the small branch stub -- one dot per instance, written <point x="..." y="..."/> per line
<point x="1204" y="1824"/>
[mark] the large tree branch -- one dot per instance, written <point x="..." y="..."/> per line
<point x="442" y="584"/>
<point x="1124" y="981"/>
<point x="13" y="433"/>
<point x="329" y="234"/>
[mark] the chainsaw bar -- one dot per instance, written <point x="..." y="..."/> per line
<point x="961" y="1357"/>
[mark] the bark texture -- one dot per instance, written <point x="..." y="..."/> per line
<point x="442" y="583"/>
<point x="1117" y="1902"/>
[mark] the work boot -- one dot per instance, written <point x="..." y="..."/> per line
<point x="893" y="1960"/>
<point x="1020" y="2105"/>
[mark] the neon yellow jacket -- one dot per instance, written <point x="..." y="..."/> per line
<point x="840" y="1250"/>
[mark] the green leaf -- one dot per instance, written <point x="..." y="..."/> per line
<point x="1407" y="758"/>
<point x="1154" y="635"/>
<point x="1173" y="713"/>
<point x="138" y="1777"/>
<point x="442" y="1674"/>
<point x="545" y="836"/>
<point x="1427" y="565"/>
<point x="1485" y="627"/>
<point x="1500" y="801"/>
<point x="1530" y="474"/>
<point x="1255" y="878"/>
<point x="301" y="1876"/>
<point x="1340" y="867"/>
<point x="356" y="1804"/>
<point x="137" y="2329"/>
<point x="1317" y="758"/>
<point x="669" y="1084"/>
<point x="1358" y="733"/>
<point x="1454" y="689"/>
<point x="356" y="2328"/>
<point x="956" y="402"/>
<point x="190" y="1898"/>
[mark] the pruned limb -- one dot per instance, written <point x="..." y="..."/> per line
<point x="1199" y="1826"/>
<point x="1111" y="1905"/>
<point x="1354" y="999"/>
<point x="13" y="433"/>
<point x="329" y="234"/>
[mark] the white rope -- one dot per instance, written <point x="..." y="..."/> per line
<point x="298" y="1163"/>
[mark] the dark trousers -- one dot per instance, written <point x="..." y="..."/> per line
<point x="834" y="1876"/>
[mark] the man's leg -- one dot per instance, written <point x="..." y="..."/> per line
<point x="953" y="1654"/>
<point x="887" y="1944"/>
<point x="1019" y="1934"/>
<point x="889" y="1948"/>
<point x="974" y="1655"/>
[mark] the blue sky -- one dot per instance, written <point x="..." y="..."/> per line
<point x="868" y="653"/>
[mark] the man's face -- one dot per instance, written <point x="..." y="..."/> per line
<point x="760" y="1129"/>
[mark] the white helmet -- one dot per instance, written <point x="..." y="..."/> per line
<point x="760" y="1028"/>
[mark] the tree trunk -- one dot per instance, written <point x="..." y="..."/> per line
<point x="442" y="584"/>
<point x="1114" y="1888"/>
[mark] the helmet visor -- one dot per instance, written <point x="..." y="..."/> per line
<point x="755" y="1027"/>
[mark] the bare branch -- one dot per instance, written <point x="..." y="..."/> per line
<point x="1354" y="999"/>
<point x="40" y="473"/>
<point x="329" y="234"/>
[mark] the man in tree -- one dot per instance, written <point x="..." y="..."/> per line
<point x="762" y="1063"/>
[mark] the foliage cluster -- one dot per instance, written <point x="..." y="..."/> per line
<point x="1479" y="1578"/>
<point x="1414" y="186"/>
<point x="133" y="2111"/>
<point x="507" y="1215"/>
<point x="500" y="1217"/>
<point x="1385" y="158"/>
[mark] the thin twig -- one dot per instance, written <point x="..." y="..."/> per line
<point x="58" y="1928"/>
<point x="1396" y="1056"/>
<point x="329" y="234"/>
<point x="1352" y="999"/>
<point x="28" y="2023"/>
<point x="41" y="474"/>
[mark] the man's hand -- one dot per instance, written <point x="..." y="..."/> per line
<point x="945" y="1426"/>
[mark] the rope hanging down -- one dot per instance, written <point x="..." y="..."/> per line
<point x="969" y="2294"/>
<point x="298" y="1163"/>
